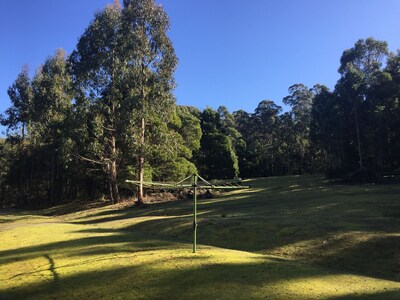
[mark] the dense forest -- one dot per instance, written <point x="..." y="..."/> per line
<point x="86" y="122"/>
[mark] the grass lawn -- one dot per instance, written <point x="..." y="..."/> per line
<point x="285" y="238"/>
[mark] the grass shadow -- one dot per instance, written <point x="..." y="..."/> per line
<point x="258" y="280"/>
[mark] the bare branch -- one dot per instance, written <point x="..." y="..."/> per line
<point x="107" y="128"/>
<point x="89" y="160"/>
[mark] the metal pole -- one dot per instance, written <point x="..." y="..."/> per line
<point x="194" y="211"/>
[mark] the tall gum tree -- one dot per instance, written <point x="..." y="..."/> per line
<point x="152" y="63"/>
<point x="99" y="68"/>
<point x="359" y="67"/>
<point x="51" y="106"/>
<point x="266" y="122"/>
<point x="300" y="99"/>
<point x="20" y="93"/>
<point x="123" y="72"/>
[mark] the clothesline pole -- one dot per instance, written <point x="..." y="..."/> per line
<point x="194" y="212"/>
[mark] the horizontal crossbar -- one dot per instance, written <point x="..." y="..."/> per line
<point x="150" y="184"/>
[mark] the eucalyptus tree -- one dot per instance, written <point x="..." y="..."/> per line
<point x="259" y="147"/>
<point x="245" y="151"/>
<point x="266" y="122"/>
<point x="52" y="98"/>
<point x="51" y="106"/>
<point x="392" y="111"/>
<point x="328" y="132"/>
<point x="382" y="106"/>
<point x="300" y="99"/>
<point x="123" y="71"/>
<point x="99" y="69"/>
<point x="287" y="141"/>
<point x="17" y="117"/>
<point x="152" y="63"/>
<point x="359" y="68"/>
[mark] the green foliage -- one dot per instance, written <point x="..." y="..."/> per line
<point x="99" y="69"/>
<point x="86" y="123"/>
<point x="132" y="172"/>
<point x="7" y="156"/>
<point x="301" y="101"/>
<point x="20" y="93"/>
<point x="216" y="157"/>
<point x="189" y="129"/>
<point x="259" y="150"/>
<point x="175" y="170"/>
<point x="52" y="101"/>
<point x="173" y="160"/>
<point x="123" y="70"/>
<point x="352" y="124"/>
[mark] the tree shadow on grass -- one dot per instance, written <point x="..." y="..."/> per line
<point x="182" y="207"/>
<point x="269" y="220"/>
<point x="52" y="268"/>
<point x="178" y="208"/>
<point x="298" y="207"/>
<point x="261" y="221"/>
<point x="358" y="253"/>
<point x="378" y="257"/>
<point x="117" y="241"/>
<point x="151" y="281"/>
<point x="184" y="280"/>
<point x="389" y="295"/>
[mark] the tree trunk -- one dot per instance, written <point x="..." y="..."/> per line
<point x="23" y="132"/>
<point x="141" y="163"/>
<point x="272" y="165"/>
<point x="31" y="177"/>
<point x="113" y="171"/>
<point x="113" y="182"/>
<point x="52" y="178"/>
<point x="114" y="193"/>
<point x="358" y="139"/>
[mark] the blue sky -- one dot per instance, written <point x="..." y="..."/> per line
<point x="231" y="52"/>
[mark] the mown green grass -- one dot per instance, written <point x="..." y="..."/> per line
<point x="285" y="238"/>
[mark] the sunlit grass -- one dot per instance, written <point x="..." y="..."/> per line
<point x="286" y="238"/>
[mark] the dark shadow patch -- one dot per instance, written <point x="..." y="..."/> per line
<point x="52" y="268"/>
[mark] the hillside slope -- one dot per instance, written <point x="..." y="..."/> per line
<point x="285" y="238"/>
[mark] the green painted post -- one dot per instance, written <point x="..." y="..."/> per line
<point x="194" y="211"/>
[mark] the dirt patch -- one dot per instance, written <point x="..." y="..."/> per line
<point x="162" y="197"/>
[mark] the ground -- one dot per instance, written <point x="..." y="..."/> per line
<point x="284" y="238"/>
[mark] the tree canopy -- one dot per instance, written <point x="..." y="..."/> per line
<point x="86" y="122"/>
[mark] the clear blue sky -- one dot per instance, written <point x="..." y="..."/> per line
<point x="232" y="52"/>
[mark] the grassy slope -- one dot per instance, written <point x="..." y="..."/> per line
<point x="285" y="238"/>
